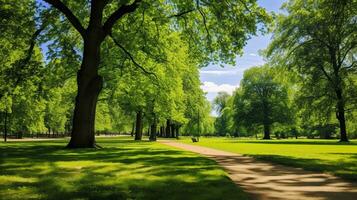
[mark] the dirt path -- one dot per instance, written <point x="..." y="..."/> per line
<point x="270" y="181"/>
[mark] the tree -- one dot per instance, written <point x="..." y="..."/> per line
<point x="261" y="100"/>
<point x="317" y="39"/>
<point x="222" y="105"/>
<point x="213" y="35"/>
<point x="20" y="57"/>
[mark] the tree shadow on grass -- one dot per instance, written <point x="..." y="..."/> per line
<point x="122" y="170"/>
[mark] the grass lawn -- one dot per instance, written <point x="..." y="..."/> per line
<point x="123" y="169"/>
<point x="317" y="155"/>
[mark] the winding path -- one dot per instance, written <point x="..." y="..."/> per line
<point x="263" y="180"/>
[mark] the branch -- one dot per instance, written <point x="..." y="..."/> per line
<point x="182" y="13"/>
<point x="204" y="19"/>
<point x="132" y="58"/>
<point x="351" y="66"/>
<point x="325" y="73"/>
<point x="297" y="47"/>
<point x="124" y="9"/>
<point x="69" y="14"/>
<point x="23" y="62"/>
<point x="346" y="53"/>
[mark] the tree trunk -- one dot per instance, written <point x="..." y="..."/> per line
<point x="168" y="128"/>
<point x="340" y="113"/>
<point x="266" y="132"/>
<point x="266" y="121"/>
<point x="177" y="132"/>
<point x="5" y="126"/>
<point x="162" y="131"/>
<point x="153" y="130"/>
<point x="173" y="126"/>
<point x="139" y="125"/>
<point x="132" y="130"/>
<point x="89" y="85"/>
<point x="341" y="116"/>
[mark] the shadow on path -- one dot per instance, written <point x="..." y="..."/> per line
<point x="270" y="181"/>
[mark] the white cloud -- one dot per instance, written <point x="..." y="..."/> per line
<point x="213" y="87"/>
<point x="217" y="72"/>
<point x="253" y="54"/>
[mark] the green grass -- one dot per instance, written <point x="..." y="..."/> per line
<point x="327" y="156"/>
<point x="123" y="169"/>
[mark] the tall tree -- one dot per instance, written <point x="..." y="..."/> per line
<point x="20" y="61"/>
<point x="222" y="106"/>
<point x="261" y="100"/>
<point x="318" y="40"/>
<point x="213" y="36"/>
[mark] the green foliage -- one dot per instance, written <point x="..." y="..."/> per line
<point x="224" y="122"/>
<point x="149" y="62"/>
<point x="261" y="100"/>
<point x="317" y="40"/>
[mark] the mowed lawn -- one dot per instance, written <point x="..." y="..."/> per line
<point x="317" y="155"/>
<point x="123" y="169"/>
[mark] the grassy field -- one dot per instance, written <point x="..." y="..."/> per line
<point x="123" y="169"/>
<point x="317" y="155"/>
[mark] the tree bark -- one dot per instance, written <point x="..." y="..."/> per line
<point x="177" y="132"/>
<point x="161" y="131"/>
<point x="89" y="83"/>
<point x="168" y="128"/>
<point x="5" y="126"/>
<point x="89" y="86"/>
<point x="266" y="122"/>
<point x="173" y="126"/>
<point x="266" y="132"/>
<point x="139" y="125"/>
<point x="132" y="130"/>
<point x="337" y="81"/>
<point x="341" y="116"/>
<point x="153" y="130"/>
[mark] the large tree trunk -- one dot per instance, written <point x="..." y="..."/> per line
<point x="341" y="116"/>
<point x="139" y="125"/>
<point x="89" y="86"/>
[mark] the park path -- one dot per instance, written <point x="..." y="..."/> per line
<point x="263" y="180"/>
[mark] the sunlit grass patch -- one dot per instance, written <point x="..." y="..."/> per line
<point x="123" y="169"/>
<point x="328" y="156"/>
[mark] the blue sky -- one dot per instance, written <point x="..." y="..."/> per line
<point x="215" y="78"/>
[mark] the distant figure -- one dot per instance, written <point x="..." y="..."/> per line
<point x="195" y="139"/>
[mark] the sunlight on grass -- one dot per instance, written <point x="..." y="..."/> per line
<point x="123" y="169"/>
<point x="317" y="155"/>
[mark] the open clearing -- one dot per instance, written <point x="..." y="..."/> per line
<point x="271" y="181"/>
<point x="123" y="169"/>
<point x="326" y="156"/>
